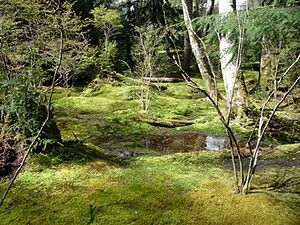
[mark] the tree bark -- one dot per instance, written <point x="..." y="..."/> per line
<point x="230" y="64"/>
<point x="197" y="50"/>
<point x="267" y="65"/>
<point x="187" y="47"/>
<point x="228" y="61"/>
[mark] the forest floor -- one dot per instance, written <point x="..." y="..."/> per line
<point x="114" y="167"/>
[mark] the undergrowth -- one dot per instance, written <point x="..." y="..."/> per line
<point x="91" y="180"/>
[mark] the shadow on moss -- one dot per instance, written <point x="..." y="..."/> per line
<point x="75" y="151"/>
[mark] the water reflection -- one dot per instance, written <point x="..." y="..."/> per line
<point x="184" y="142"/>
<point x="215" y="143"/>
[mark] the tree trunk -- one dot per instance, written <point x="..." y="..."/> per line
<point x="107" y="34"/>
<point x="228" y="61"/>
<point x="202" y="63"/>
<point x="197" y="9"/>
<point x="106" y="42"/>
<point x="267" y="65"/>
<point x="187" y="53"/>
<point x="230" y="65"/>
<point x="265" y="69"/>
<point x="187" y="47"/>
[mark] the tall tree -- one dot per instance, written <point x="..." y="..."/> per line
<point x="187" y="55"/>
<point x="198" y="51"/>
<point x="108" y="20"/>
<point x="232" y="36"/>
<point x="230" y="61"/>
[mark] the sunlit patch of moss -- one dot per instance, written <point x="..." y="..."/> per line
<point x="109" y="112"/>
<point x="284" y="179"/>
<point x="287" y="152"/>
<point x="185" y="188"/>
<point x="89" y="181"/>
<point x="250" y="75"/>
<point x="288" y="114"/>
<point x="281" y="183"/>
<point x="235" y="209"/>
<point x="289" y="149"/>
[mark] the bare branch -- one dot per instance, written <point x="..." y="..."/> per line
<point x="272" y="92"/>
<point x="263" y="126"/>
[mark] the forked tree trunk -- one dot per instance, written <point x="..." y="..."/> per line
<point x="202" y="63"/>
<point x="263" y="125"/>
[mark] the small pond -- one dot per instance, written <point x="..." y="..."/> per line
<point x="184" y="142"/>
<point x="162" y="143"/>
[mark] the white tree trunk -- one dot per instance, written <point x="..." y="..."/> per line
<point x="228" y="66"/>
<point x="228" y="61"/>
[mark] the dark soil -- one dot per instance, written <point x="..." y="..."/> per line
<point x="10" y="157"/>
<point x="267" y="163"/>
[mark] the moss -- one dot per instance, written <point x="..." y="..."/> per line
<point x="235" y="209"/>
<point x="282" y="184"/>
<point x="84" y="182"/>
<point x="109" y="112"/>
<point x="289" y="149"/>
<point x="190" y="188"/>
<point x="286" y="152"/>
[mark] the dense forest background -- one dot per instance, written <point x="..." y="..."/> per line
<point x="92" y="81"/>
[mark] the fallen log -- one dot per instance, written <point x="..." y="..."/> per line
<point x="143" y="82"/>
<point x="157" y="86"/>
<point x="169" y="123"/>
<point x="162" y="79"/>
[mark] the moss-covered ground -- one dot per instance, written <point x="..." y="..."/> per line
<point x="90" y="179"/>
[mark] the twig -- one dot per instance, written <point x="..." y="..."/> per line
<point x="250" y="137"/>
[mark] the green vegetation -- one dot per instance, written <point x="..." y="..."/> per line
<point x="114" y="110"/>
<point x="93" y="92"/>
<point x="85" y="183"/>
<point x="189" y="188"/>
<point x="287" y="151"/>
